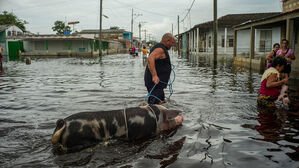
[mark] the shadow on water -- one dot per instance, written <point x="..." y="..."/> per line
<point x="222" y="125"/>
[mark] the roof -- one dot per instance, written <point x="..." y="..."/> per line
<point x="96" y="31"/>
<point x="266" y="18"/>
<point x="54" y="37"/>
<point x="4" y="27"/>
<point x="235" y="19"/>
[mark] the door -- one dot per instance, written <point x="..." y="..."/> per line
<point x="13" y="49"/>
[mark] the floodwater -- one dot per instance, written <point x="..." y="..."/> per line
<point x="222" y="128"/>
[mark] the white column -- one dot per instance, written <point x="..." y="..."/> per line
<point x="225" y="39"/>
<point x="197" y="40"/>
<point x="194" y="41"/>
<point x="189" y="41"/>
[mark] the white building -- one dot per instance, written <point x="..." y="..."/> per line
<point x="67" y="45"/>
<point x="9" y="37"/>
<point x="199" y="39"/>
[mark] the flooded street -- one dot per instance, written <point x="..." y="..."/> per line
<point x="223" y="127"/>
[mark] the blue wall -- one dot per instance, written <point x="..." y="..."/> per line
<point x="127" y="35"/>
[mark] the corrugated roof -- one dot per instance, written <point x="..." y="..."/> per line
<point x="266" y="18"/>
<point x="235" y="19"/>
<point x="53" y="37"/>
<point x="96" y="31"/>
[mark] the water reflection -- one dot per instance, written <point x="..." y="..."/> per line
<point x="222" y="128"/>
<point x="279" y="126"/>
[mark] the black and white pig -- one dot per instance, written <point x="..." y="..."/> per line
<point x="85" y="129"/>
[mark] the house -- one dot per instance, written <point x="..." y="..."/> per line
<point x="56" y="45"/>
<point x="199" y="39"/>
<point x="261" y="34"/>
<point x="117" y="38"/>
<point x="10" y="41"/>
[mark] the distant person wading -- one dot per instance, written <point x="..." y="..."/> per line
<point x="158" y="69"/>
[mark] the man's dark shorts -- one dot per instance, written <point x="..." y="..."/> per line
<point x="158" y="92"/>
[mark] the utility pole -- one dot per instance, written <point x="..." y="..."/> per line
<point x="132" y="28"/>
<point x="100" y="32"/>
<point x="149" y="37"/>
<point x="215" y="29"/>
<point x="178" y="35"/>
<point x="172" y="28"/>
<point x="144" y="34"/>
<point x="140" y="33"/>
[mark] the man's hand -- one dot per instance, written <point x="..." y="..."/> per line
<point x="156" y="79"/>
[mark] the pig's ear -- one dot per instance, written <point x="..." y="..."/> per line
<point x="170" y="114"/>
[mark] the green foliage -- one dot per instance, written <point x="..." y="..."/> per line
<point x="114" y="27"/>
<point x="59" y="27"/>
<point x="11" y="19"/>
<point x="152" y="42"/>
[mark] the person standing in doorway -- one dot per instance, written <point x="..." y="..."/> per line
<point x="158" y="70"/>
<point x="288" y="54"/>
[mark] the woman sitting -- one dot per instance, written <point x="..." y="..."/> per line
<point x="272" y="54"/>
<point x="270" y="83"/>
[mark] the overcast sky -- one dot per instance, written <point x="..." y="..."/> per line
<point x="158" y="14"/>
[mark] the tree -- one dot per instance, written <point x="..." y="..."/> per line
<point x="114" y="27"/>
<point x="152" y="42"/>
<point x="11" y="19"/>
<point x="59" y="27"/>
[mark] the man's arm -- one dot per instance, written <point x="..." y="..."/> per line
<point x="155" y="55"/>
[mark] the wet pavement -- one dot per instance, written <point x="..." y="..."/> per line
<point x="223" y="126"/>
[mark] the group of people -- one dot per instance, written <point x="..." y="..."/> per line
<point x="277" y="73"/>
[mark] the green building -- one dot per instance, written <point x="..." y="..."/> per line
<point x="10" y="41"/>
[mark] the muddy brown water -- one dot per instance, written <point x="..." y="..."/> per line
<point x="223" y="126"/>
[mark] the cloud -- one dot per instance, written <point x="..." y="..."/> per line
<point x="158" y="14"/>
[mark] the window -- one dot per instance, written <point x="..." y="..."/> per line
<point x="9" y="33"/>
<point x="14" y="33"/>
<point x="231" y="42"/>
<point x="19" y="33"/>
<point x="222" y="42"/>
<point x="210" y="41"/>
<point x="265" y="41"/>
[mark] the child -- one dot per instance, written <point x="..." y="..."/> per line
<point x="144" y="52"/>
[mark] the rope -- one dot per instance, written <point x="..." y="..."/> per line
<point x="169" y="84"/>
<point x="126" y="124"/>
<point x="154" y="116"/>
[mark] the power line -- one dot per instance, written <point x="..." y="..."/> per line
<point x="188" y="11"/>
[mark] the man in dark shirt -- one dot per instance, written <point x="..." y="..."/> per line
<point x="158" y="70"/>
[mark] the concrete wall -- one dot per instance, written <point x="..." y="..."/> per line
<point x="276" y="35"/>
<point x="295" y="63"/>
<point x="290" y="5"/>
<point x="243" y="41"/>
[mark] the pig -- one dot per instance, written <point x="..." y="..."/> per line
<point x="284" y="95"/>
<point x="86" y="129"/>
